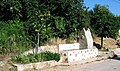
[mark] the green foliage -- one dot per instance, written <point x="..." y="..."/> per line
<point x="54" y="18"/>
<point x="10" y="9"/>
<point x="12" y="37"/>
<point x="25" y="23"/>
<point x="65" y="16"/>
<point x="46" y="56"/>
<point x="31" y="58"/>
<point x="104" y="23"/>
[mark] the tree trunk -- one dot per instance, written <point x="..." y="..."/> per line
<point x="101" y="42"/>
<point x="37" y="42"/>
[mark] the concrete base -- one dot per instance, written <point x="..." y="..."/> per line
<point x="76" y="55"/>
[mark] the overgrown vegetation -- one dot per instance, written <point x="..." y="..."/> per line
<point x="26" y="24"/>
<point x="13" y="38"/>
<point x="32" y="58"/>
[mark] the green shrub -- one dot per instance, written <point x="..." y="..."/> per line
<point x="31" y="58"/>
<point x="13" y="37"/>
<point x="46" y="56"/>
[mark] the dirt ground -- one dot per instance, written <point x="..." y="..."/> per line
<point x="108" y="43"/>
<point x="4" y="63"/>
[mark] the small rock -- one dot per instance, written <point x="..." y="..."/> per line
<point x="117" y="51"/>
<point x="2" y="63"/>
<point x="114" y="53"/>
<point x="111" y="54"/>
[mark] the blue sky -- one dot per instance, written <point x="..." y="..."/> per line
<point x="113" y="5"/>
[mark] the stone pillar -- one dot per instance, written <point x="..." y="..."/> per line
<point x="86" y="40"/>
<point x="82" y="40"/>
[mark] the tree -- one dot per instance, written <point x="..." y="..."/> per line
<point x="117" y="25"/>
<point x="42" y="27"/>
<point x="10" y="9"/>
<point x="66" y="18"/>
<point x="102" y="22"/>
<point x="67" y="11"/>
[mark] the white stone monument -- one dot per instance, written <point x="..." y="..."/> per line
<point x="86" y="40"/>
<point x="119" y="33"/>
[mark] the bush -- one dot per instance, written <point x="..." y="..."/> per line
<point x="31" y="58"/>
<point x="13" y="37"/>
<point x="46" y="56"/>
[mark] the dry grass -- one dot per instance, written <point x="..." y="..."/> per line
<point x="108" y="43"/>
<point x="57" y="41"/>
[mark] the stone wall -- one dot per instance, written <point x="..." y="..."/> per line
<point x="38" y="65"/>
<point x="54" y="48"/>
<point x="76" y="55"/>
<point x="65" y="47"/>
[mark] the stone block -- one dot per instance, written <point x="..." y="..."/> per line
<point x="117" y="51"/>
<point x="76" y="55"/>
<point x="65" y="47"/>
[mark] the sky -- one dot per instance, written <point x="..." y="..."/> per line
<point x="113" y="5"/>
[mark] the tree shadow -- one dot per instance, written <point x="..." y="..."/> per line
<point x="97" y="45"/>
<point x="115" y="57"/>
